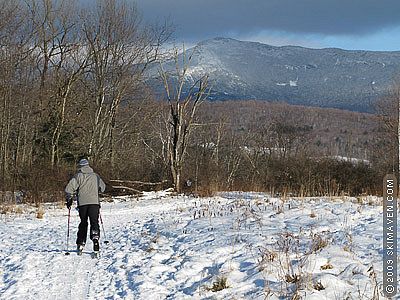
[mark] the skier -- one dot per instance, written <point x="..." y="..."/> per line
<point x="85" y="187"/>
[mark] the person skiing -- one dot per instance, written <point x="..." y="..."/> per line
<point x="85" y="187"/>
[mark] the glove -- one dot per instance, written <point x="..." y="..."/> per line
<point x="68" y="202"/>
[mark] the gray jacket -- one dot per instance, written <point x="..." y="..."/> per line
<point x="86" y="185"/>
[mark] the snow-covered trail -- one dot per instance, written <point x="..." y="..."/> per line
<point x="33" y="264"/>
<point x="177" y="247"/>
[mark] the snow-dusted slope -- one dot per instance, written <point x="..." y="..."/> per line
<point x="180" y="247"/>
<point x="319" y="77"/>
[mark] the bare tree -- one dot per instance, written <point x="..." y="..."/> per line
<point x="54" y="50"/>
<point x="182" y="107"/>
<point x="388" y="109"/>
<point x="15" y="79"/>
<point x="120" y="49"/>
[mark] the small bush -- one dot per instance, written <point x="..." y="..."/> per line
<point x="5" y="209"/>
<point x="327" y="266"/>
<point x="349" y="245"/>
<point x="40" y="212"/>
<point x="318" y="286"/>
<point x="318" y="243"/>
<point x="292" y="278"/>
<point x="220" y="284"/>
<point x="11" y="208"/>
<point x="267" y="257"/>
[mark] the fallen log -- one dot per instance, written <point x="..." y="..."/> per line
<point x="127" y="188"/>
<point x="138" y="182"/>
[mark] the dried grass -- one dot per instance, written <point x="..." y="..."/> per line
<point x="40" y="212"/>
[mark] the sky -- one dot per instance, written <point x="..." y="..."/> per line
<point x="346" y="24"/>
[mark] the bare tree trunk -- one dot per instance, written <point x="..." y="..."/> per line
<point x="182" y="113"/>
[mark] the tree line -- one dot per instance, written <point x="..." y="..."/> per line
<point x="73" y="84"/>
<point x="66" y="70"/>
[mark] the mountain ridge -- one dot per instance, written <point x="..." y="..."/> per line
<point x="328" y="77"/>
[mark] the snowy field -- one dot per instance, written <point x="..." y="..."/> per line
<point x="232" y="246"/>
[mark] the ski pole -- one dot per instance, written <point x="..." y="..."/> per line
<point x="104" y="232"/>
<point x="69" y="215"/>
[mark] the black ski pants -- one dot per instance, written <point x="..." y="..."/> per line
<point x="91" y="212"/>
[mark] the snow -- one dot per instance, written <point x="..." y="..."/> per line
<point x="177" y="247"/>
<point x="292" y="83"/>
<point x="350" y="159"/>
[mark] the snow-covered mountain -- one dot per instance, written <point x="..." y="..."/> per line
<point x="317" y="77"/>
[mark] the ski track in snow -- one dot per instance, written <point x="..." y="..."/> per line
<point x="164" y="247"/>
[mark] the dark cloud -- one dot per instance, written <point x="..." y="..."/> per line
<point x="198" y="19"/>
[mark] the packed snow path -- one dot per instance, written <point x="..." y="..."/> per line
<point x="164" y="247"/>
